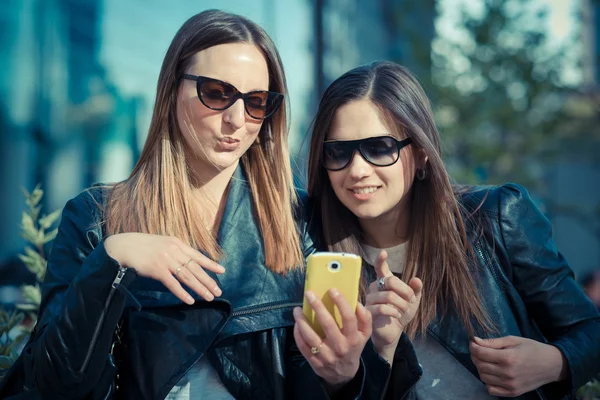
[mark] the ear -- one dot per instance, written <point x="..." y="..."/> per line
<point x="420" y="158"/>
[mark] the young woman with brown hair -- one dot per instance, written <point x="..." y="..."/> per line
<point x="486" y="264"/>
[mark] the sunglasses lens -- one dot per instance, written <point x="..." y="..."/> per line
<point x="380" y="151"/>
<point x="336" y="155"/>
<point x="216" y="95"/>
<point x="262" y="104"/>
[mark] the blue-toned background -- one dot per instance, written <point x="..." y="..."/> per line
<point x="514" y="85"/>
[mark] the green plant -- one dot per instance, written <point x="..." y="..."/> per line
<point x="590" y="391"/>
<point x="36" y="230"/>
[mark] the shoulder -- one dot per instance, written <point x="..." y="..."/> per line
<point x="495" y="201"/>
<point x="88" y="206"/>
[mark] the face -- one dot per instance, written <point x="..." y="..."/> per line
<point x="217" y="139"/>
<point x="368" y="191"/>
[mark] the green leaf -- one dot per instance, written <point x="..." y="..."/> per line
<point x="32" y="294"/>
<point x="34" y="262"/>
<point x="50" y="236"/>
<point x="47" y="220"/>
<point x="27" y="307"/>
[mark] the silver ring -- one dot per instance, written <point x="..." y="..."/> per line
<point x="177" y="270"/>
<point x="186" y="263"/>
<point x="381" y="284"/>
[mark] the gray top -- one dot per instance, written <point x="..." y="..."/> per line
<point x="445" y="378"/>
<point x="201" y="382"/>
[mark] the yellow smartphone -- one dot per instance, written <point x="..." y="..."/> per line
<point x="328" y="270"/>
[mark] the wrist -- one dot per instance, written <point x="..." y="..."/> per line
<point x="110" y="245"/>
<point x="560" y="370"/>
<point x="386" y="351"/>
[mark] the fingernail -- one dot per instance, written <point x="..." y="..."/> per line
<point x="297" y="311"/>
<point x="189" y="299"/>
<point x="334" y="293"/>
<point x="310" y="296"/>
<point x="217" y="291"/>
<point x="221" y="268"/>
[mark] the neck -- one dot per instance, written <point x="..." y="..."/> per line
<point x="387" y="230"/>
<point x="211" y="192"/>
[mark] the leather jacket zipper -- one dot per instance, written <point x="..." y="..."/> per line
<point x="258" y="309"/>
<point x="113" y="289"/>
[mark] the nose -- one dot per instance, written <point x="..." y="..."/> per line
<point x="235" y="115"/>
<point x="359" y="168"/>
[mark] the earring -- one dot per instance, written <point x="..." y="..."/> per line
<point x="421" y="174"/>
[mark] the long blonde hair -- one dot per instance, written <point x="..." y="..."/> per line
<point x="155" y="197"/>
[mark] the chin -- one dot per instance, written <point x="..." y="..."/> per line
<point x="365" y="212"/>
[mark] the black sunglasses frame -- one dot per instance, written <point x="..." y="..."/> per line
<point x="356" y="146"/>
<point x="200" y="80"/>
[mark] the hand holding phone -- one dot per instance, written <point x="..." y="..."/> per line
<point x="328" y="270"/>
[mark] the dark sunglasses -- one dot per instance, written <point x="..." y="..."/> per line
<point x="381" y="151"/>
<point x="219" y="95"/>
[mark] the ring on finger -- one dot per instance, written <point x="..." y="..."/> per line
<point x="177" y="270"/>
<point x="316" y="350"/>
<point x="186" y="263"/>
<point x="381" y="284"/>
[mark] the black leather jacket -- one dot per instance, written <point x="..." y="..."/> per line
<point x="528" y="290"/>
<point x="246" y="334"/>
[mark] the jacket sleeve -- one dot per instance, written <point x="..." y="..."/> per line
<point x="81" y="306"/>
<point x="563" y="313"/>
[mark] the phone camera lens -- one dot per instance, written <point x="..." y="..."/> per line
<point x="335" y="265"/>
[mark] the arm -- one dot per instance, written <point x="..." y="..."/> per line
<point x="545" y="282"/>
<point x="80" y="309"/>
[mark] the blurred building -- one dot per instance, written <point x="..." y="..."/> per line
<point x="575" y="183"/>
<point x="79" y="81"/>
<point x="58" y="111"/>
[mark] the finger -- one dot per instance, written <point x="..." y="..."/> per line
<point x="311" y="337"/>
<point x="201" y="259"/>
<point x="498" y="343"/>
<point x="381" y="266"/>
<point x="385" y="310"/>
<point x="183" y="275"/>
<point x="491" y="369"/>
<point x="499" y="391"/>
<point x="204" y="278"/>
<point x="417" y="286"/>
<point x="485" y="354"/>
<point x="304" y="347"/>
<point x="349" y="320"/>
<point x="175" y="287"/>
<point x="365" y="320"/>
<point x="389" y="298"/>
<point x="492" y="380"/>
<point x="325" y="318"/>
<point x="396" y="285"/>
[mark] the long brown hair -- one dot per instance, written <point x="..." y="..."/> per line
<point x="439" y="250"/>
<point x="155" y="197"/>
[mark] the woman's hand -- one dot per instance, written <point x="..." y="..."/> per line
<point x="336" y="358"/>
<point x="168" y="260"/>
<point x="393" y="305"/>
<point x="511" y="365"/>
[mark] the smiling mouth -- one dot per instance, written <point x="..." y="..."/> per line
<point x="364" y="190"/>
<point x="229" y="140"/>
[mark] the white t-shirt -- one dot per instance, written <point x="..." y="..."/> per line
<point x="396" y="256"/>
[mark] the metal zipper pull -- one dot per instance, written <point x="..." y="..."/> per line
<point x="119" y="277"/>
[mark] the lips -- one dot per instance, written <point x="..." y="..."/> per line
<point x="229" y="140"/>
